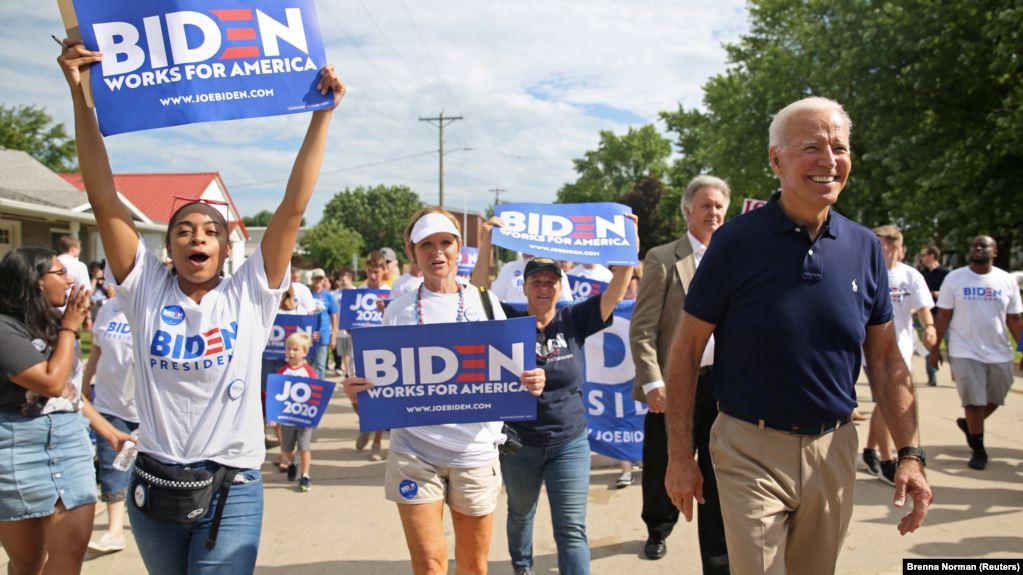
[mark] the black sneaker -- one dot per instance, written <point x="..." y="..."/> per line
<point x="979" y="460"/>
<point x="887" y="473"/>
<point x="872" y="460"/>
<point x="965" y="428"/>
<point x="304" y="484"/>
<point x="292" y="472"/>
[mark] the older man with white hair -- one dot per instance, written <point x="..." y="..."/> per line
<point x="668" y="271"/>
<point x="791" y="292"/>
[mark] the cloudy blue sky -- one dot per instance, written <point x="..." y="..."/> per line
<point x="534" y="81"/>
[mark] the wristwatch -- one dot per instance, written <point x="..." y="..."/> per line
<point x="914" y="453"/>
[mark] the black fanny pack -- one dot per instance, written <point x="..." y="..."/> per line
<point x="181" y="495"/>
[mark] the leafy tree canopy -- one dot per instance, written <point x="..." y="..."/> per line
<point x="617" y="165"/>
<point x="261" y="219"/>
<point x="379" y="214"/>
<point x="935" y="92"/>
<point x="330" y="245"/>
<point x="31" y="129"/>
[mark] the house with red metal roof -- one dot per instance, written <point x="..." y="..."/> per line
<point x="158" y="195"/>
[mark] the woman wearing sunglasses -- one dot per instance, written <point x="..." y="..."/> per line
<point x="47" y="481"/>
<point x="197" y="363"/>
<point x="555" y="451"/>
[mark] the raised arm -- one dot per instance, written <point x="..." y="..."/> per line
<point x="481" y="271"/>
<point x="116" y="228"/>
<point x="279" y="240"/>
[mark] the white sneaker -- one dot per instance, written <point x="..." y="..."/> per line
<point x="624" y="480"/>
<point x="107" y="543"/>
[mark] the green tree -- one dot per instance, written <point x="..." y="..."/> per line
<point x="618" y="165"/>
<point x="935" y="91"/>
<point x="261" y="219"/>
<point x="31" y="129"/>
<point x="330" y="245"/>
<point x="380" y="214"/>
<point x="645" y="200"/>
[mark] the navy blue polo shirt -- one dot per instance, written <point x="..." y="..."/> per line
<point x="790" y="314"/>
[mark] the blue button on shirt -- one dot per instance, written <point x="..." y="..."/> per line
<point x="790" y="314"/>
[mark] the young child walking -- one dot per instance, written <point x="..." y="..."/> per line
<point x="296" y="347"/>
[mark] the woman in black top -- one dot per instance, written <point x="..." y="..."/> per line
<point x="47" y="481"/>
<point x="556" y="450"/>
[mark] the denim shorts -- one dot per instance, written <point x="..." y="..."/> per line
<point x="43" y="459"/>
<point x="113" y="483"/>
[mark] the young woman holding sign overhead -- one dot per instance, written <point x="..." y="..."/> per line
<point x="456" y="463"/>
<point x="197" y="361"/>
<point x="555" y="448"/>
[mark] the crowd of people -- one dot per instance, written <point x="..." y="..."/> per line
<point x="747" y="339"/>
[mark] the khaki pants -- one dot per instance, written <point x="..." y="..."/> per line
<point x="786" y="499"/>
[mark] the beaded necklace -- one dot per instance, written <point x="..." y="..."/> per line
<point x="419" y="304"/>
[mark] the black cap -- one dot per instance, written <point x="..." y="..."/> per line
<point x="541" y="265"/>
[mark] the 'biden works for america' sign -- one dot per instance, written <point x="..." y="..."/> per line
<point x="445" y="373"/>
<point x="585" y="233"/>
<point x="172" y="62"/>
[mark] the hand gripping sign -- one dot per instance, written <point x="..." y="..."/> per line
<point x="583" y="233"/>
<point x="172" y="62"/>
<point x="462" y="372"/>
<point x="298" y="401"/>
<point x="285" y="325"/>
<point x="359" y="307"/>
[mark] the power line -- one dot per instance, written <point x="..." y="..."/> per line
<point x="497" y="194"/>
<point x="337" y="24"/>
<point x="433" y="61"/>
<point x="339" y="170"/>
<point x="387" y="39"/>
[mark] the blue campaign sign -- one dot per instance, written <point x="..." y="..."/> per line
<point x="597" y="233"/>
<point x="285" y="325"/>
<point x="298" y="401"/>
<point x="359" y="307"/>
<point x="464" y="372"/>
<point x="173" y="62"/>
<point x="614" y="420"/>
<point x="583" y="288"/>
<point x="467" y="260"/>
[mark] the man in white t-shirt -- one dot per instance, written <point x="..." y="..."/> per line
<point x="303" y="295"/>
<point x="408" y="282"/>
<point x="594" y="272"/>
<point x="910" y="295"/>
<point x="508" y="285"/>
<point x="976" y="304"/>
<point x="70" y="249"/>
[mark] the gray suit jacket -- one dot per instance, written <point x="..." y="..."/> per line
<point x="667" y="271"/>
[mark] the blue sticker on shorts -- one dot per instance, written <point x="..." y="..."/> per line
<point x="408" y="489"/>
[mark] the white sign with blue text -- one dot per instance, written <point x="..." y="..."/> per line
<point x="597" y="233"/>
<point x="173" y="62"/>
<point x="464" y="372"/>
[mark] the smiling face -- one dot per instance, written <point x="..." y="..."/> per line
<point x="55" y="283"/>
<point x="814" y="161"/>
<point x="198" y="246"/>
<point x="437" y="255"/>
<point x="542" y="289"/>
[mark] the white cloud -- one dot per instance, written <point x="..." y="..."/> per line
<point x="637" y="58"/>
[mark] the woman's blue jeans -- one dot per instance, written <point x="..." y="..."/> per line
<point x="565" y="469"/>
<point x="175" y="549"/>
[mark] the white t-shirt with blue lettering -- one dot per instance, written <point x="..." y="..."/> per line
<point x="197" y="365"/>
<point x="115" y="373"/>
<point x="909" y="292"/>
<point x="979" y="303"/>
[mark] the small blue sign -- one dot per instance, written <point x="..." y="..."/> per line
<point x="172" y="314"/>
<point x="408" y="489"/>
<point x="467" y="260"/>
<point x="285" y="325"/>
<point x="583" y="288"/>
<point x="597" y="233"/>
<point x="173" y="62"/>
<point x="430" y="374"/>
<point x="359" y="307"/>
<point x="297" y="401"/>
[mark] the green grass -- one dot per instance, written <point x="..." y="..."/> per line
<point x="86" y="344"/>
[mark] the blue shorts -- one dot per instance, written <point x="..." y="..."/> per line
<point x="113" y="483"/>
<point x="43" y="459"/>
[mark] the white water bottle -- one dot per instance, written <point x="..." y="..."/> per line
<point x="126" y="456"/>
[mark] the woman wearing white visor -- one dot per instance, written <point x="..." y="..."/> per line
<point x="453" y="463"/>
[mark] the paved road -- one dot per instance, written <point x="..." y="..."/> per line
<point x="344" y="525"/>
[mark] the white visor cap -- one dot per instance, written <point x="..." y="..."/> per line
<point x="433" y="223"/>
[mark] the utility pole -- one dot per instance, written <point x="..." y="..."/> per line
<point x="441" y="121"/>
<point x="496" y="251"/>
<point x="497" y="194"/>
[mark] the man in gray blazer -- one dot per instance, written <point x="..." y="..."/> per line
<point x="667" y="271"/>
